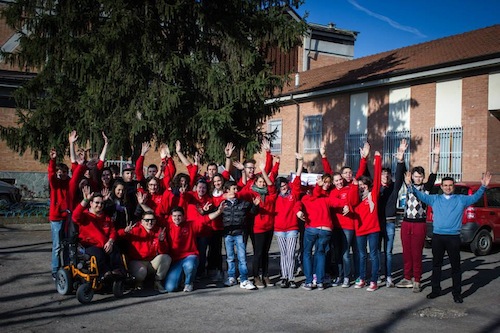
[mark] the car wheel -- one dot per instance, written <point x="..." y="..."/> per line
<point x="64" y="282"/>
<point x="482" y="243"/>
<point x="85" y="293"/>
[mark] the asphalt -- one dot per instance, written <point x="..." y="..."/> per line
<point x="29" y="302"/>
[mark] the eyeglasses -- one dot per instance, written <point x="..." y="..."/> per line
<point x="149" y="220"/>
<point x="98" y="202"/>
<point x="251" y="168"/>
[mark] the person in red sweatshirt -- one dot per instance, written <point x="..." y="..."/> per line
<point x="62" y="191"/>
<point x="181" y="237"/>
<point x="318" y="230"/>
<point x="367" y="227"/>
<point x="147" y="250"/>
<point x="97" y="233"/>
<point x="288" y="209"/>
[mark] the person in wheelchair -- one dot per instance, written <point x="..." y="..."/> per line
<point x="147" y="250"/>
<point x="97" y="234"/>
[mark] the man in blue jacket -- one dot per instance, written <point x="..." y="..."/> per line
<point x="448" y="209"/>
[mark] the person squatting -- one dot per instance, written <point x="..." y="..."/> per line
<point x="171" y="226"/>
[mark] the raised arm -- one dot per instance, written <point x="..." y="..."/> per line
<point x="266" y="146"/>
<point x="264" y="174"/>
<point x="72" y="139"/>
<point x="435" y="160"/>
<point x="182" y="157"/>
<point x="327" y="168"/>
<point x="363" y="152"/>
<point x="104" y="150"/>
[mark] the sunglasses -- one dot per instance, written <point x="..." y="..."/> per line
<point x="149" y="220"/>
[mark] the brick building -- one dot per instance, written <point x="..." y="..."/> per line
<point x="447" y="89"/>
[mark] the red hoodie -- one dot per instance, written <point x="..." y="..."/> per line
<point x="144" y="245"/>
<point x="264" y="220"/>
<point x="351" y="195"/>
<point x="318" y="210"/>
<point x="94" y="230"/>
<point x="182" y="237"/>
<point x="287" y="207"/>
<point x="367" y="209"/>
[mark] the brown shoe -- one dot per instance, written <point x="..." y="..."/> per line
<point x="258" y="283"/>
<point x="268" y="282"/>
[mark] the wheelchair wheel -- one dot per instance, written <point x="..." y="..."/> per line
<point x="118" y="288"/>
<point x="85" y="293"/>
<point x="64" y="281"/>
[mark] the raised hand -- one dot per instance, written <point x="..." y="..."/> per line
<point x="437" y="147"/>
<point x="53" y="153"/>
<point x="407" y="177"/>
<point x="105" y="138"/>
<point x="365" y="151"/>
<point x="178" y="146"/>
<point x="141" y="198"/>
<point x="130" y="226"/>
<point x="266" y="146"/>
<point x="229" y="149"/>
<point x="197" y="158"/>
<point x="164" y="152"/>
<point x="87" y="195"/>
<point x="238" y="165"/>
<point x="485" y="180"/>
<point x="161" y="234"/>
<point x="106" y="193"/>
<point x="322" y="151"/>
<point x="145" y="148"/>
<point x="403" y="145"/>
<point x="72" y="137"/>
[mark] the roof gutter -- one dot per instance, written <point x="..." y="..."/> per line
<point x="385" y="81"/>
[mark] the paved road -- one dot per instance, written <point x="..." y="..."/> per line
<point x="29" y="302"/>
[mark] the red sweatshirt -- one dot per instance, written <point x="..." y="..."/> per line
<point x="367" y="209"/>
<point x="287" y="207"/>
<point x="351" y="195"/>
<point x="94" y="230"/>
<point x="318" y="210"/>
<point x="182" y="237"/>
<point x="264" y="220"/>
<point x="144" y="245"/>
<point x="62" y="192"/>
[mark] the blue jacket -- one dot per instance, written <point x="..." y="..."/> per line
<point x="448" y="211"/>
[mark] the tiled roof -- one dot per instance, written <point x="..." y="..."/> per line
<point x="468" y="47"/>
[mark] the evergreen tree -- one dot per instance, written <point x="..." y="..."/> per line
<point x="193" y="71"/>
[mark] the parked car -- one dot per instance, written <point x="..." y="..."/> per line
<point x="480" y="222"/>
<point x="9" y="194"/>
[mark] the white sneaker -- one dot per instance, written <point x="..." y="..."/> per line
<point x="230" y="282"/>
<point x="248" y="285"/>
<point x="389" y="283"/>
<point x="188" y="288"/>
<point x="346" y="283"/>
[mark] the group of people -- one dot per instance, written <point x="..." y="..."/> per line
<point x="171" y="226"/>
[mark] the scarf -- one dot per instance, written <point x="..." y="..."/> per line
<point x="261" y="191"/>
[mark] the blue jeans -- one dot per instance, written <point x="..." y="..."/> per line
<point x="231" y="242"/>
<point x="372" y="240"/>
<point x="188" y="266"/>
<point x="56" y="228"/>
<point x="319" y="239"/>
<point x="387" y="239"/>
<point x="347" y="238"/>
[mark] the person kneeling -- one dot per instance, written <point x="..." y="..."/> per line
<point x="147" y="251"/>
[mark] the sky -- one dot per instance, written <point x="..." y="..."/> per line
<point x="385" y="25"/>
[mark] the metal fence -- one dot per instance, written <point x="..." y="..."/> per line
<point x="351" y="150"/>
<point x="391" y="143"/>
<point x="450" y="157"/>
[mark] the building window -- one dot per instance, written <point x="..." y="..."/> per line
<point x="313" y="128"/>
<point x="352" y="144"/>
<point x="450" y="158"/>
<point x="391" y="144"/>
<point x="275" y="130"/>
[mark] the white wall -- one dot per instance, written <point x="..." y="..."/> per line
<point x="358" y="114"/>
<point x="399" y="109"/>
<point x="494" y="91"/>
<point x="449" y="103"/>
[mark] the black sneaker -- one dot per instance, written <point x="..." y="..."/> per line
<point x="458" y="299"/>
<point x="284" y="283"/>
<point x="292" y="284"/>
<point x="433" y="295"/>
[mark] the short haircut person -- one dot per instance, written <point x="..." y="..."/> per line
<point x="448" y="178"/>
<point x="177" y="209"/>
<point x="63" y="167"/>
<point x="148" y="212"/>
<point x="153" y="166"/>
<point x="251" y="160"/>
<point x="228" y="184"/>
<point x="418" y="169"/>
